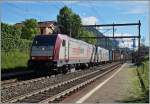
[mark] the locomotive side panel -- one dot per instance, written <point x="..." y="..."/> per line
<point x="72" y="51"/>
<point x="79" y="51"/>
<point x="63" y="52"/>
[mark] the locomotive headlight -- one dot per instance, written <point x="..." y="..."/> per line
<point x="49" y="57"/>
<point x="43" y="48"/>
<point x="32" y="57"/>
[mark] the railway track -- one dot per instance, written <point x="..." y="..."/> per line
<point x="14" y="90"/>
<point x="8" y="82"/>
<point x="15" y="82"/>
<point x="40" y="89"/>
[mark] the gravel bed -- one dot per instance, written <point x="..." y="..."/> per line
<point x="11" y="92"/>
<point x="46" y="94"/>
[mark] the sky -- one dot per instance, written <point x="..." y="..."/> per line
<point x="91" y="12"/>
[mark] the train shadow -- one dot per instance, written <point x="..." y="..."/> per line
<point x="24" y="73"/>
<point x="11" y="70"/>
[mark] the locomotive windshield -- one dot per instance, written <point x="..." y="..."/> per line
<point x="44" y="41"/>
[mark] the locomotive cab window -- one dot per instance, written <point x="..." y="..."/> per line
<point x="44" y="41"/>
<point x="63" y="43"/>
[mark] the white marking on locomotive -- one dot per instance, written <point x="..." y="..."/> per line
<point x="42" y="51"/>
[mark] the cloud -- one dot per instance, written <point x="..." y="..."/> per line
<point x="137" y="10"/>
<point x="69" y="2"/>
<point x="133" y="7"/>
<point x="91" y="20"/>
<point x="131" y="2"/>
<point x="22" y="2"/>
<point x="142" y="2"/>
<point x="126" y="42"/>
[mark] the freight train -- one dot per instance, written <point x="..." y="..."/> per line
<point x="61" y="52"/>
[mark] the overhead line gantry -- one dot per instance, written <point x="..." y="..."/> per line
<point x="116" y="25"/>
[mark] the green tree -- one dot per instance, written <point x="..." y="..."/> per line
<point x="29" y="29"/>
<point x="71" y="22"/>
<point x="64" y="19"/>
<point x="85" y="33"/>
<point x="76" y="25"/>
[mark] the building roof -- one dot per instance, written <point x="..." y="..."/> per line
<point x="43" y="23"/>
<point x="47" y="22"/>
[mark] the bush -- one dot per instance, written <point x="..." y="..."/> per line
<point x="24" y="44"/>
<point x="11" y="39"/>
<point x="14" y="50"/>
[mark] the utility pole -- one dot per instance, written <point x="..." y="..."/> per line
<point x="139" y="30"/>
<point x="105" y="43"/>
<point x="113" y="30"/>
<point x="70" y="30"/>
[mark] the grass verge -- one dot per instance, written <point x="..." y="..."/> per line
<point x="140" y="83"/>
<point x="14" y="61"/>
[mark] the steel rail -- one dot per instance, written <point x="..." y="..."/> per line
<point x="14" y="99"/>
<point x="24" y="82"/>
<point x="68" y="91"/>
<point x="54" y="86"/>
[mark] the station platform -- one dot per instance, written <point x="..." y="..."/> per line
<point x="112" y="88"/>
